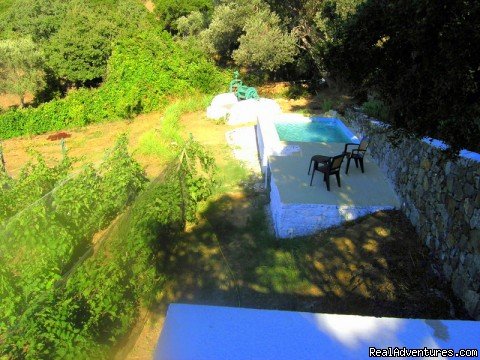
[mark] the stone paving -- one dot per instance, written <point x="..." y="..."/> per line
<point x="244" y="146"/>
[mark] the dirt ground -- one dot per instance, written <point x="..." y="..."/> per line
<point x="9" y="100"/>
<point x="89" y="143"/>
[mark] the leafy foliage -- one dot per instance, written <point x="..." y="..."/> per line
<point x="36" y="179"/>
<point x="139" y="79"/>
<point x="38" y="19"/>
<point x="264" y="45"/>
<point x="191" y="24"/>
<point x="376" y="109"/>
<point x="169" y="11"/>
<point x="82" y="314"/>
<point x="75" y="35"/>
<point x="42" y="242"/>
<point x="416" y="57"/>
<point x="79" y="50"/>
<point x="226" y="26"/>
<point x="21" y="67"/>
<point x="313" y="24"/>
<point x="249" y="33"/>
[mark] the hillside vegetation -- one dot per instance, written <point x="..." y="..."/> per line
<point x="131" y="56"/>
<point x="86" y="249"/>
<point x="414" y="63"/>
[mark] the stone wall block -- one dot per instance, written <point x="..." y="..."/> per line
<point x="475" y="240"/>
<point x="471" y="300"/>
<point x="475" y="219"/>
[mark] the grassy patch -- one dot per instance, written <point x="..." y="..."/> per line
<point x="375" y="266"/>
<point x="158" y="141"/>
<point x="5" y="5"/>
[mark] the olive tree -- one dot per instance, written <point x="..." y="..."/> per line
<point x="249" y="33"/>
<point x="264" y="44"/>
<point x="21" y="68"/>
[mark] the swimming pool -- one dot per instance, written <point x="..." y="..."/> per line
<point x="315" y="129"/>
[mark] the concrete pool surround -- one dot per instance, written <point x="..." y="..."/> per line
<point x="269" y="142"/>
<point x="300" y="210"/>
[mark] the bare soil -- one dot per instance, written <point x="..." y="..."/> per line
<point x="89" y="143"/>
<point x="11" y="100"/>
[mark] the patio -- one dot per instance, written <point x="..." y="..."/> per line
<point x="300" y="209"/>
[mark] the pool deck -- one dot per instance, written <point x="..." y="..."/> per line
<point x="292" y="180"/>
<point x="299" y="209"/>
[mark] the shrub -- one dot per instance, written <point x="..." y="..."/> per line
<point x="144" y="71"/>
<point x="376" y="109"/>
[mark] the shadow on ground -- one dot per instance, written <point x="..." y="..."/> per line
<point x="375" y="266"/>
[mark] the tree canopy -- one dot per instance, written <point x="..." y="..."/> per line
<point x="168" y="11"/>
<point x="422" y="58"/>
<point x="79" y="50"/>
<point x="21" y="67"/>
<point x="251" y="34"/>
<point x="264" y="44"/>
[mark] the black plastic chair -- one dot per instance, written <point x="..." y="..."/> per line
<point x="330" y="167"/>
<point x="356" y="154"/>
<point x="316" y="159"/>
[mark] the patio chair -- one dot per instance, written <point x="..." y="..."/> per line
<point x="356" y="154"/>
<point x="329" y="167"/>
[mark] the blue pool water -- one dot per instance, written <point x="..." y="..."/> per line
<point x="317" y="130"/>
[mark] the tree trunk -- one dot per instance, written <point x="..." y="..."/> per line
<point x="22" y="101"/>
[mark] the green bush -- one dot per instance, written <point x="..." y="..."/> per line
<point x="376" y="109"/>
<point x="144" y="72"/>
<point x="94" y="305"/>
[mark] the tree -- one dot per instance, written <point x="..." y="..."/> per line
<point x="313" y="24"/>
<point x="191" y="24"/>
<point x="422" y="58"/>
<point x="228" y="20"/>
<point x="79" y="50"/>
<point x="21" y="68"/>
<point x="264" y="44"/>
<point x="169" y="11"/>
<point x="38" y="19"/>
<point x="249" y="33"/>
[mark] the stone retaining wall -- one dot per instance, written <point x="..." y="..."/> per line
<point x="440" y="197"/>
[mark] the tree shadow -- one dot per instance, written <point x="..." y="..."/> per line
<point x="375" y="266"/>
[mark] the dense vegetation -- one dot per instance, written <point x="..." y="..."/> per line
<point x="422" y="59"/>
<point x="118" y="43"/>
<point x="57" y="304"/>
<point x="42" y="240"/>
<point x="68" y="290"/>
<point x="138" y="80"/>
